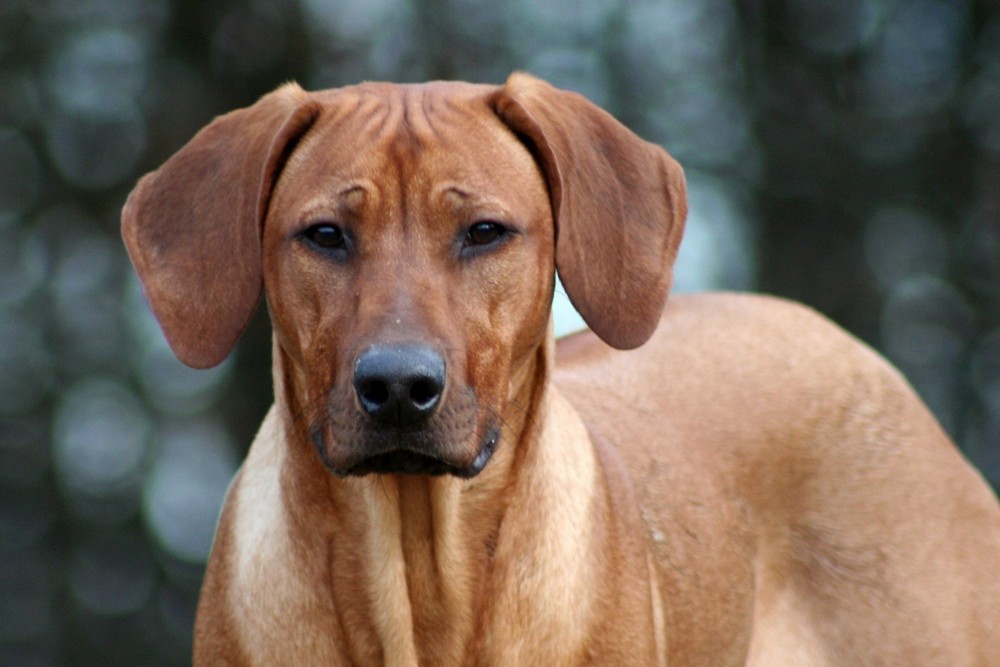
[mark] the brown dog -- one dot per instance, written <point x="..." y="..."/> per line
<point x="752" y="486"/>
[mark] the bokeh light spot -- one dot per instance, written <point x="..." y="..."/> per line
<point x="185" y="490"/>
<point x="97" y="149"/>
<point x="902" y="243"/>
<point x="914" y="67"/>
<point x="580" y="71"/>
<point x="101" y="437"/>
<point x="97" y="70"/>
<point x="718" y="249"/>
<point x="24" y="264"/>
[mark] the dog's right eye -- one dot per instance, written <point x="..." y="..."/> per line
<point x="326" y="236"/>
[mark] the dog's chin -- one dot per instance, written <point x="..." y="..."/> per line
<point x="404" y="461"/>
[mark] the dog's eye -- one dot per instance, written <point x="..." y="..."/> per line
<point x="326" y="236"/>
<point x="484" y="233"/>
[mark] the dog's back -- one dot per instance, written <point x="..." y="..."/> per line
<point x="785" y="459"/>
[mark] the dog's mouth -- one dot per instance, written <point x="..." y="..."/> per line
<point x="409" y="461"/>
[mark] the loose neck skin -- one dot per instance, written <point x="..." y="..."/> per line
<point x="426" y="568"/>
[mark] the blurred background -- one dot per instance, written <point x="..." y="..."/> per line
<point x="845" y="153"/>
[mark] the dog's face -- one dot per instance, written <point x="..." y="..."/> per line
<point x="406" y="237"/>
<point x="408" y="276"/>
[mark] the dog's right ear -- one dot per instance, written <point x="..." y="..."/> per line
<point x="618" y="204"/>
<point x="193" y="227"/>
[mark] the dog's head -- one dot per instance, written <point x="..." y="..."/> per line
<point x="406" y="237"/>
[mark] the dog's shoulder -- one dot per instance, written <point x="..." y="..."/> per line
<point x="725" y="338"/>
<point x="760" y="386"/>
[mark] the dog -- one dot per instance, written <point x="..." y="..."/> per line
<point x="715" y="480"/>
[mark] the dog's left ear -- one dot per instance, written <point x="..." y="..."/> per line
<point x="618" y="203"/>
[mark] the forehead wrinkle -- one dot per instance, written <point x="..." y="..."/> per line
<point x="405" y="138"/>
<point x="417" y="129"/>
<point x="351" y="189"/>
<point x="431" y="114"/>
<point x="433" y="108"/>
<point x="462" y="200"/>
<point x="337" y="200"/>
<point x="347" y="124"/>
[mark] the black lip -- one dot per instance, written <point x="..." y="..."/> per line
<point x="410" y="462"/>
<point x="402" y="461"/>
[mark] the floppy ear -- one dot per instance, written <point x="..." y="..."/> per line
<point x="193" y="227"/>
<point x="618" y="203"/>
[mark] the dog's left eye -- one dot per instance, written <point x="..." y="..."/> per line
<point x="484" y="233"/>
<point x="326" y="236"/>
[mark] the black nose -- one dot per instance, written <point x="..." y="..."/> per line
<point x="399" y="385"/>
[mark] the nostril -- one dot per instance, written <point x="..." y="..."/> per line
<point x="424" y="394"/>
<point x="374" y="392"/>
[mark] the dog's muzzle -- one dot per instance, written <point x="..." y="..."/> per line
<point x="405" y="425"/>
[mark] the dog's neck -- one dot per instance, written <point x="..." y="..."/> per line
<point x="444" y="578"/>
<point x="424" y="551"/>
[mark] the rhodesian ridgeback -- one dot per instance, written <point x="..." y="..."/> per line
<point x="439" y="482"/>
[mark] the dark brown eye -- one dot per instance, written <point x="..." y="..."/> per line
<point x="484" y="233"/>
<point x="326" y="236"/>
